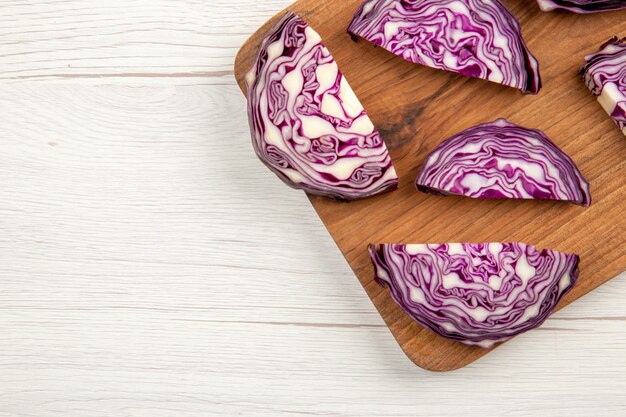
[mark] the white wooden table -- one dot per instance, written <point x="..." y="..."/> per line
<point x="151" y="266"/>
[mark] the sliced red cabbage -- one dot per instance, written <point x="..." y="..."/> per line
<point x="307" y="124"/>
<point x="582" y="6"/>
<point x="503" y="160"/>
<point x="477" y="293"/>
<point x="476" y="38"/>
<point x="604" y="72"/>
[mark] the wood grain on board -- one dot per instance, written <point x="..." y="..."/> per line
<point x="416" y="107"/>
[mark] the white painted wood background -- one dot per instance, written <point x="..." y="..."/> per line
<point x="151" y="266"/>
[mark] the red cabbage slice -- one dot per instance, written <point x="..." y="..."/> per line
<point x="476" y="38"/>
<point x="582" y="6"/>
<point x="503" y="160"/>
<point x="604" y="72"/>
<point x="476" y="293"/>
<point x="307" y="124"/>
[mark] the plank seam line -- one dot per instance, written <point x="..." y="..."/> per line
<point x="204" y="74"/>
<point x="296" y="324"/>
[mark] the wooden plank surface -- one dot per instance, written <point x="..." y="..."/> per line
<point x="415" y="108"/>
<point x="151" y="267"/>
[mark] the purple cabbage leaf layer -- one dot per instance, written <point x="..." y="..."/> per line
<point x="604" y="72"/>
<point x="307" y="124"/>
<point x="476" y="293"/>
<point x="503" y="160"/>
<point x="476" y="38"/>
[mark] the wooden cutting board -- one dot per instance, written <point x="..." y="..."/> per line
<point x="415" y="108"/>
